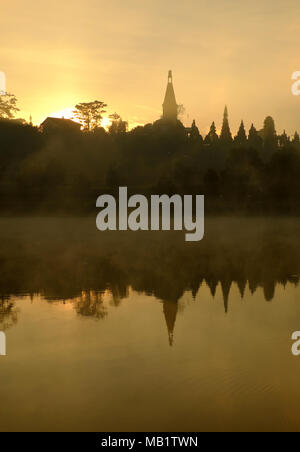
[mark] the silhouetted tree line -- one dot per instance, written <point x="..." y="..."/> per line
<point x="65" y="171"/>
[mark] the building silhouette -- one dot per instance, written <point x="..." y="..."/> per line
<point x="59" y="125"/>
<point x="170" y="108"/>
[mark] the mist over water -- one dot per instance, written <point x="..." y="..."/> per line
<point x="123" y="331"/>
<point x="149" y="217"/>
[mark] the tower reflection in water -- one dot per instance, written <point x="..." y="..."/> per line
<point x="60" y="266"/>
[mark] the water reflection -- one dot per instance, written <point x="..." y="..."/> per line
<point x="8" y="313"/>
<point x="67" y="259"/>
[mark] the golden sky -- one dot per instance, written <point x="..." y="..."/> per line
<point x="56" y="53"/>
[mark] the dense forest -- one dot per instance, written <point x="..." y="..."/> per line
<point x="64" y="170"/>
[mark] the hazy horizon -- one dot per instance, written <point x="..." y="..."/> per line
<point x="57" y="54"/>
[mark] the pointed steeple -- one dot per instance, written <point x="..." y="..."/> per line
<point x="170" y="105"/>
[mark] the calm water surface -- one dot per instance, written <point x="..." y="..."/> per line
<point x="144" y="332"/>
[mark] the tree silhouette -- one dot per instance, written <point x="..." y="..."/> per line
<point x="269" y="128"/>
<point x="117" y="125"/>
<point x="241" y="137"/>
<point x="254" y="140"/>
<point x="269" y="134"/>
<point x="153" y="159"/>
<point x="194" y="132"/>
<point x="211" y="182"/>
<point x="283" y="139"/>
<point x="225" y="136"/>
<point x="90" y="114"/>
<point x="114" y="117"/>
<point x="296" y="139"/>
<point x="212" y="136"/>
<point x="8" y="106"/>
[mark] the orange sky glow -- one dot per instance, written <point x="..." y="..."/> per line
<point x="58" y="53"/>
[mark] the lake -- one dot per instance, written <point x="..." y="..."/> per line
<point x="142" y="331"/>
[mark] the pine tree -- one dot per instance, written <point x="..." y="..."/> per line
<point x="212" y="136"/>
<point x="241" y="137"/>
<point x="226" y="136"/>
<point x="194" y="133"/>
<point x="254" y="140"/>
<point x="284" y="139"/>
<point x="296" y="139"/>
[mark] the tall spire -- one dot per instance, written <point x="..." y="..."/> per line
<point x="170" y="105"/>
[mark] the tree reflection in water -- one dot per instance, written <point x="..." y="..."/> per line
<point x="58" y="261"/>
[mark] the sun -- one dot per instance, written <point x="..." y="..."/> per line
<point x="105" y="122"/>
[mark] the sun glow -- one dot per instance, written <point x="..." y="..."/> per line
<point x="105" y="122"/>
<point x="66" y="113"/>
